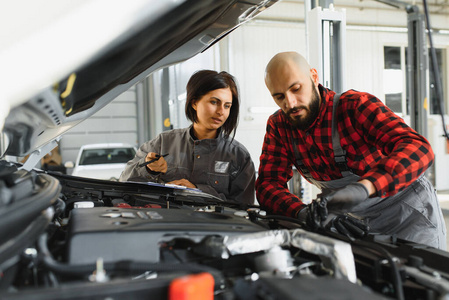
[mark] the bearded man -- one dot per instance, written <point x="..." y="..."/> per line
<point x="368" y="162"/>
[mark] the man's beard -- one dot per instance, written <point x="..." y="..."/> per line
<point x="312" y="111"/>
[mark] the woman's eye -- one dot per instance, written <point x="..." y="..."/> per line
<point x="213" y="101"/>
<point x="228" y="106"/>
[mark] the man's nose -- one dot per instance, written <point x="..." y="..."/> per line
<point x="290" y="101"/>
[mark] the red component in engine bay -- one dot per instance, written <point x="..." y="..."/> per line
<point x="126" y="205"/>
<point x="192" y="287"/>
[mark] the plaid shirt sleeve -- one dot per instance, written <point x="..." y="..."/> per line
<point x="400" y="154"/>
<point x="275" y="171"/>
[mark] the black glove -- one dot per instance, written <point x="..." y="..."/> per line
<point x="347" y="197"/>
<point x="349" y="226"/>
<point x="314" y="214"/>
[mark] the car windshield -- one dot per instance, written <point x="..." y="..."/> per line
<point x="106" y="156"/>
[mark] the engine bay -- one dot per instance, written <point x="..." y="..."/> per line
<point x="66" y="237"/>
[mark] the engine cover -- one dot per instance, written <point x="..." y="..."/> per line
<point x="115" y="234"/>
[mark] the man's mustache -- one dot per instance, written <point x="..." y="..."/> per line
<point x="295" y="109"/>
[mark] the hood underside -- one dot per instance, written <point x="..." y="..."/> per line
<point x="155" y="34"/>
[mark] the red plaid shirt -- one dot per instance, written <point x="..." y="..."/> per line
<point x="379" y="146"/>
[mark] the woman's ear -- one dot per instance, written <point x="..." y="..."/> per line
<point x="194" y="104"/>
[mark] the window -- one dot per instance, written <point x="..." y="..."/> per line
<point x="394" y="77"/>
<point x="106" y="156"/>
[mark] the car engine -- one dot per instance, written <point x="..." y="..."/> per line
<point x="66" y="237"/>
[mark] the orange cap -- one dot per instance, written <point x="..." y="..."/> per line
<point x="192" y="287"/>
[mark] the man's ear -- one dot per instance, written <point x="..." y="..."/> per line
<point x="314" y="75"/>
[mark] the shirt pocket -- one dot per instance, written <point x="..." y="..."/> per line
<point x="220" y="182"/>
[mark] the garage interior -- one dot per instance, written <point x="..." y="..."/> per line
<point x="374" y="47"/>
<point x="371" y="39"/>
<point x="374" y="59"/>
<point x="91" y="229"/>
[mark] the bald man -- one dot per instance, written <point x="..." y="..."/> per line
<point x="363" y="157"/>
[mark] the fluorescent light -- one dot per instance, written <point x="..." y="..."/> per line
<point x="262" y="109"/>
<point x="377" y="28"/>
<point x="182" y="96"/>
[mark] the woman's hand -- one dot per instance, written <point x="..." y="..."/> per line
<point x="160" y="165"/>
<point x="183" y="182"/>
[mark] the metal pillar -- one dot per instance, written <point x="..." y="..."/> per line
<point x="326" y="39"/>
<point x="417" y="66"/>
<point x="165" y="98"/>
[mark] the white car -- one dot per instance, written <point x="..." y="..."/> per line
<point x="102" y="161"/>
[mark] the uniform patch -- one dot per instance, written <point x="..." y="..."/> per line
<point x="221" y="166"/>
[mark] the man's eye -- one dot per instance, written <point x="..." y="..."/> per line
<point x="279" y="98"/>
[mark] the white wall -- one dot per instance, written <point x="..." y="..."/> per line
<point x="249" y="58"/>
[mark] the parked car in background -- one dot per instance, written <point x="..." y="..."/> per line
<point x="102" y="161"/>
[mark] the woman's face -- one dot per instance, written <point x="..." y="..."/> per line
<point x="213" y="109"/>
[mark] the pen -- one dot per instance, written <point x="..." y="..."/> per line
<point x="152" y="160"/>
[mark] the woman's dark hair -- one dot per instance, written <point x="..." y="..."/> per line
<point x="204" y="81"/>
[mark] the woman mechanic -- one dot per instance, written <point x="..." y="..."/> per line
<point x="204" y="155"/>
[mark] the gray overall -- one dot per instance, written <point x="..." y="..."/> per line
<point x="414" y="214"/>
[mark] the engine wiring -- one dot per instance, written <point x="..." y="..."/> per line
<point x="369" y="246"/>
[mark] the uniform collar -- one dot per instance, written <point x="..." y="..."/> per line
<point x="192" y="133"/>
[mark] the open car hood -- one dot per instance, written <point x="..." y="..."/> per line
<point x="53" y="77"/>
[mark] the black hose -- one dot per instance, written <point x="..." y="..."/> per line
<point x="60" y="207"/>
<point x="24" y="239"/>
<point x="16" y="216"/>
<point x="394" y="269"/>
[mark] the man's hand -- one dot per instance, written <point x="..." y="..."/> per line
<point x="349" y="226"/>
<point x="347" y="197"/>
<point x="314" y="214"/>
